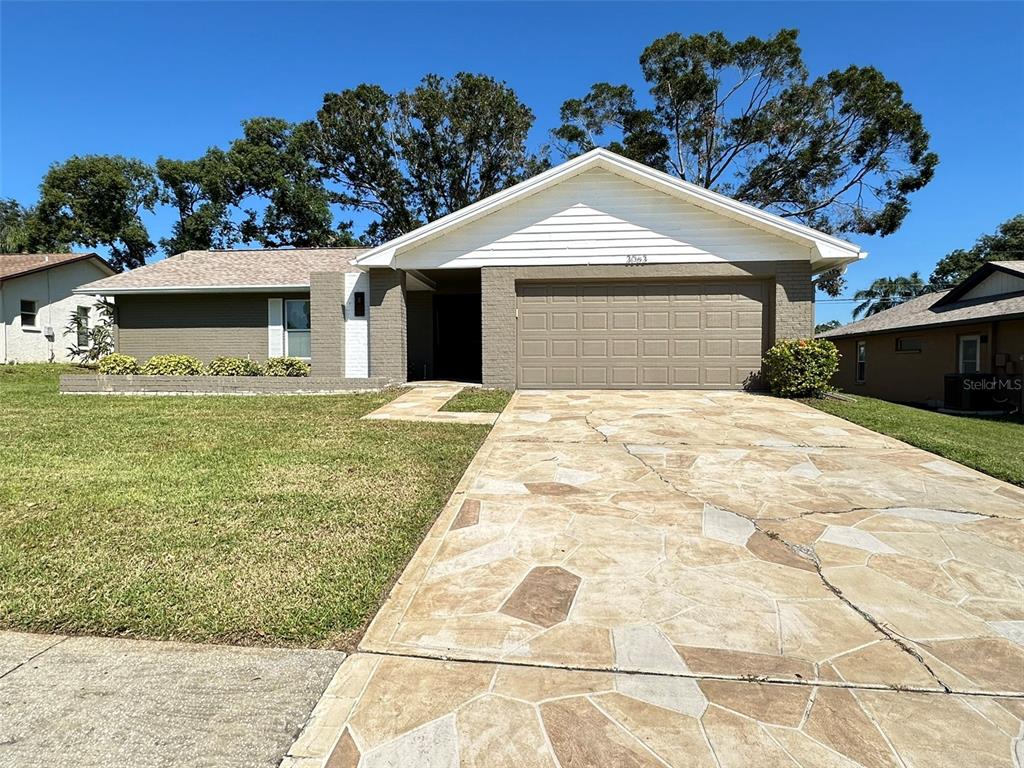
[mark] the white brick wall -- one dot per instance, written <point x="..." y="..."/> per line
<point x="357" y="335"/>
<point x="51" y="290"/>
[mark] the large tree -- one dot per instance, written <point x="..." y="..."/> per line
<point x="417" y="155"/>
<point x="97" y="200"/>
<point x="1006" y="244"/>
<point x="888" y="292"/>
<point x="15" y="221"/>
<point x="841" y="152"/>
<point x="265" y="189"/>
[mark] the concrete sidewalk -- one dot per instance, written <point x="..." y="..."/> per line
<point x="87" y="701"/>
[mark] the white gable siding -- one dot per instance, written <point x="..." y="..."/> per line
<point x="994" y="284"/>
<point x="599" y="217"/>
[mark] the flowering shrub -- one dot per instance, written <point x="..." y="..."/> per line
<point x="117" y="364"/>
<point x="800" y="367"/>
<point x="286" y="366"/>
<point x="173" y="365"/>
<point x="233" y="366"/>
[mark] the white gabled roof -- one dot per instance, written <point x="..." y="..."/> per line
<point x="828" y="251"/>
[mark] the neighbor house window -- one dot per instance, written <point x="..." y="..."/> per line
<point x="296" y="326"/>
<point x="908" y="344"/>
<point x="82" y="326"/>
<point x="970" y="354"/>
<point x="360" y="302"/>
<point x="862" y="361"/>
<point x="28" y="314"/>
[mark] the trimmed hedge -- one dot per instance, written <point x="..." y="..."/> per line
<point x="286" y="366"/>
<point x="173" y="365"/>
<point x="801" y="367"/>
<point x="116" y="364"/>
<point x="233" y="366"/>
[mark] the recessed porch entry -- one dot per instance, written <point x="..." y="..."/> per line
<point x="444" y="326"/>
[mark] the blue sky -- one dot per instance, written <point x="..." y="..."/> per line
<point x="145" y="79"/>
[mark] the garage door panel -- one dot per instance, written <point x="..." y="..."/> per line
<point x="655" y="321"/>
<point x="639" y="334"/>
<point x="625" y="347"/>
<point x="622" y="321"/>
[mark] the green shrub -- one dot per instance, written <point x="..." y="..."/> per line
<point x="286" y="366"/>
<point x="173" y="365"/>
<point x="233" y="366"/>
<point x="801" y="367"/>
<point x="116" y="364"/>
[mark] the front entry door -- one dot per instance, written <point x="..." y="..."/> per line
<point x="458" y="351"/>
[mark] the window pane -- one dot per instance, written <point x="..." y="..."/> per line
<point x="297" y="315"/>
<point x="83" y="326"/>
<point x="298" y="343"/>
<point x="28" y="313"/>
<point x="968" y="356"/>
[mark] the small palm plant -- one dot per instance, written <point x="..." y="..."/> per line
<point x="89" y="344"/>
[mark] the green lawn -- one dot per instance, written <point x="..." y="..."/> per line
<point x="479" y="400"/>
<point x="256" y="520"/>
<point x="993" y="446"/>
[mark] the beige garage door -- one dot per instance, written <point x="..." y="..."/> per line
<point x="638" y="335"/>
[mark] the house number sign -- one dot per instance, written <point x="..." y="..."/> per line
<point x="636" y="259"/>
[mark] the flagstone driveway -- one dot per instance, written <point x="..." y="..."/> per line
<point x="684" y="578"/>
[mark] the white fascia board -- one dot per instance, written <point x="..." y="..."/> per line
<point x="385" y="254"/>
<point x="191" y="289"/>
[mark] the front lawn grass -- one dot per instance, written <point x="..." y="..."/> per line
<point x="990" y="445"/>
<point x="479" y="400"/>
<point x="255" y="520"/>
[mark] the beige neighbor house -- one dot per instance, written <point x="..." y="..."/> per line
<point x="599" y="273"/>
<point x="961" y="349"/>
<point x="37" y="303"/>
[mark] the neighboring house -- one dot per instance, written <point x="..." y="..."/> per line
<point x="37" y="304"/>
<point x="598" y="273"/>
<point x="906" y="353"/>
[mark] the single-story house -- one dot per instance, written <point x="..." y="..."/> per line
<point x="600" y="272"/>
<point x="37" y="303"/>
<point x="912" y="352"/>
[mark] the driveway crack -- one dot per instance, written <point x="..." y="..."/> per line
<point x="808" y="553"/>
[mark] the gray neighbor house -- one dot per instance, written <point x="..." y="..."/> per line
<point x="598" y="273"/>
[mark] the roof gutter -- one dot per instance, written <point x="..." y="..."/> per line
<point x="100" y="291"/>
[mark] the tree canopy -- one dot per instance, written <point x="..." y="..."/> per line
<point x="887" y="292"/>
<point x="414" y="156"/>
<point x="96" y="200"/>
<point x="841" y="152"/>
<point x="1006" y="244"/>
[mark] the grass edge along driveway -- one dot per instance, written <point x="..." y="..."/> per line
<point x="276" y="520"/>
<point x="990" y="445"/>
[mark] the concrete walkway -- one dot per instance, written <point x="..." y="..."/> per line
<point x="423" y="403"/>
<point x="86" y="701"/>
<point x="689" y="579"/>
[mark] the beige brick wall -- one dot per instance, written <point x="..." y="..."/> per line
<point x="203" y="325"/>
<point x="790" y="313"/>
<point x="327" y="323"/>
<point x="388" y="325"/>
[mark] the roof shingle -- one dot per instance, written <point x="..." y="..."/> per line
<point x="919" y="312"/>
<point x="230" y="269"/>
<point x="15" y="264"/>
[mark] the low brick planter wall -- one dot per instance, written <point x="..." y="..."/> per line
<point x="98" y="384"/>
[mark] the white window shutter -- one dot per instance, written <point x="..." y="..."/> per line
<point x="275" y="327"/>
